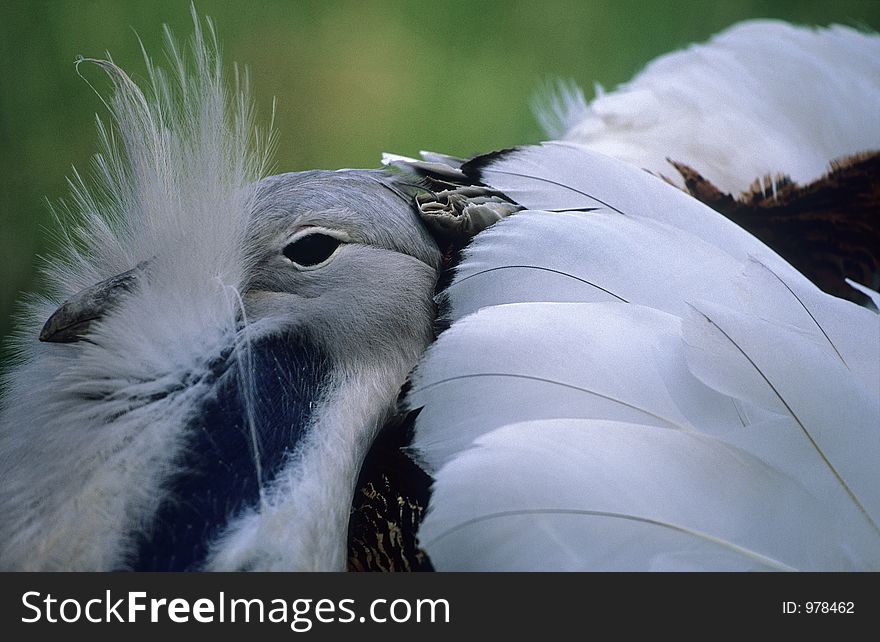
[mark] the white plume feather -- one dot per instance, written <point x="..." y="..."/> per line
<point x="761" y="98"/>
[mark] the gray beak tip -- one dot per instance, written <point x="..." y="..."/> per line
<point x="71" y="321"/>
<point x="47" y="333"/>
<point x="63" y="327"/>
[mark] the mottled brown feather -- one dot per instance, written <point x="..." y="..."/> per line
<point x="389" y="503"/>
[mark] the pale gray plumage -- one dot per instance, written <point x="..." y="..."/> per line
<point x="385" y="249"/>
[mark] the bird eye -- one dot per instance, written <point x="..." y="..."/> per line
<point x="312" y="249"/>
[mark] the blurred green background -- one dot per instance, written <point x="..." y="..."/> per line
<point x="352" y="79"/>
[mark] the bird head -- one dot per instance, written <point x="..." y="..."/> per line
<point x="227" y="347"/>
<point x="343" y="258"/>
<point x="228" y="411"/>
<point x="338" y="256"/>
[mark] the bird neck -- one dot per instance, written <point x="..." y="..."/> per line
<point x="302" y="519"/>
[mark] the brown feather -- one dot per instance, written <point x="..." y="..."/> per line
<point x="390" y="501"/>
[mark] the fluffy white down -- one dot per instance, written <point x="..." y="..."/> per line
<point x="761" y="98"/>
<point x="172" y="187"/>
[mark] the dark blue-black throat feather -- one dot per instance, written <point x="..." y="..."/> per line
<point x="217" y="475"/>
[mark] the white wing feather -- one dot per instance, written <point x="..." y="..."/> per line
<point x="627" y="431"/>
<point x="696" y="255"/>
<point x="533" y="361"/>
<point x="655" y="500"/>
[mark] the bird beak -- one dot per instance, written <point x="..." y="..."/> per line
<point x="72" y="320"/>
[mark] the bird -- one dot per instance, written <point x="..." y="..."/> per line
<point x="583" y="354"/>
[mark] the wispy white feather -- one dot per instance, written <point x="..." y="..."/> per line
<point x="172" y="186"/>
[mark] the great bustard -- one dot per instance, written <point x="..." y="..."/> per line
<point x="625" y="379"/>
